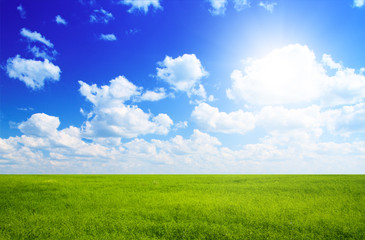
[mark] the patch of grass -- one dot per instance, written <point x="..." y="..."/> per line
<point x="182" y="206"/>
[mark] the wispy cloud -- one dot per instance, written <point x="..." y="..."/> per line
<point x="21" y="11"/>
<point x="35" y="37"/>
<point x="101" y="16"/>
<point x="359" y="3"/>
<point x="268" y="6"/>
<point x="60" y="20"/>
<point x="108" y="37"/>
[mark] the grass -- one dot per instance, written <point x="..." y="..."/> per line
<point x="182" y="206"/>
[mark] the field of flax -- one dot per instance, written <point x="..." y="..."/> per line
<point x="182" y="207"/>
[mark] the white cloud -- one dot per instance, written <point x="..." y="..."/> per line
<point x="268" y="6"/>
<point x="359" y="3"/>
<point x="154" y="95"/>
<point x="32" y="72"/>
<point x="141" y="5"/>
<point x="35" y="37"/>
<point x="21" y="11"/>
<point x="218" y="7"/>
<point x="183" y="74"/>
<point x="283" y="120"/>
<point x="345" y="120"/>
<point x="211" y="119"/>
<point x="108" y="37"/>
<point x="101" y="16"/>
<point x="328" y="61"/>
<point x="60" y="20"/>
<point x="40" y="125"/>
<point x="241" y="4"/>
<point x="112" y="117"/>
<point x="44" y="53"/>
<point x="291" y="75"/>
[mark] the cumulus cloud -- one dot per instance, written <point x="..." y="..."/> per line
<point x="35" y="37"/>
<point x="40" y="125"/>
<point x="183" y="73"/>
<point x="63" y="150"/>
<point x="108" y="37"/>
<point x="291" y="75"/>
<point x="21" y="11"/>
<point x="101" y="16"/>
<point x="211" y="119"/>
<point x="111" y="117"/>
<point x="268" y="6"/>
<point x="33" y="73"/>
<point x="141" y="5"/>
<point x="359" y="3"/>
<point x="60" y="20"/>
<point x="218" y="7"/>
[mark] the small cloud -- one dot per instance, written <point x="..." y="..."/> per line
<point x="35" y="37"/>
<point x="268" y="6"/>
<point x="154" y="95"/>
<point x="60" y="20"/>
<point x="141" y="5"/>
<point x="108" y="37"/>
<point x="181" y="125"/>
<point x="101" y="16"/>
<point x="218" y="7"/>
<point x="32" y="72"/>
<point x="359" y="3"/>
<point x="241" y="4"/>
<point x="21" y="11"/>
<point x="183" y="74"/>
<point x="25" y="109"/>
<point x="42" y="53"/>
<point x="132" y="31"/>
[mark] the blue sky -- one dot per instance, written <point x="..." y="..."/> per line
<point x="205" y="86"/>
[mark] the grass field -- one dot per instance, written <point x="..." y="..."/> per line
<point x="182" y="206"/>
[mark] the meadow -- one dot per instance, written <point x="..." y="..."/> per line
<point x="182" y="206"/>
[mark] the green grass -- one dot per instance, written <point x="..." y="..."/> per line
<point x="182" y="206"/>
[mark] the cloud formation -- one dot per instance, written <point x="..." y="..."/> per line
<point x="21" y="11"/>
<point x="211" y="119"/>
<point x="219" y="6"/>
<point x="268" y="6"/>
<point x="141" y="5"/>
<point x="359" y="3"/>
<point x="108" y="37"/>
<point x="112" y="117"/>
<point x="60" y="20"/>
<point x="292" y="76"/>
<point x="183" y="73"/>
<point x="33" y="73"/>
<point x="35" y="37"/>
<point x="101" y="16"/>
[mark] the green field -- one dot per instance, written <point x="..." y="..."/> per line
<point x="182" y="206"/>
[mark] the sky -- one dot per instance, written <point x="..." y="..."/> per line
<point x="182" y="87"/>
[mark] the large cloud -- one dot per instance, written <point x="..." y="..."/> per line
<point x="291" y="76"/>
<point x="183" y="73"/>
<point x="111" y="117"/>
<point x="33" y="73"/>
<point x="211" y="119"/>
<point x="141" y="5"/>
